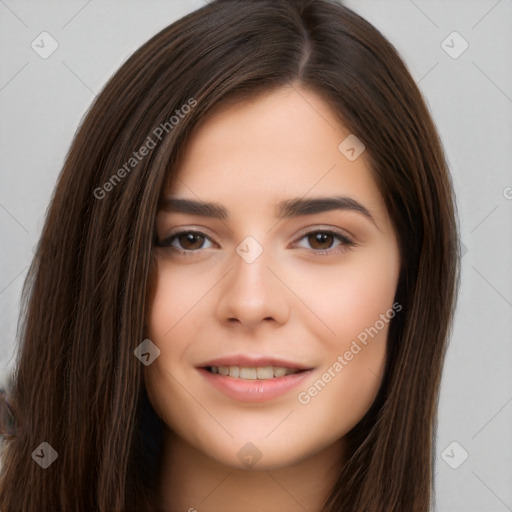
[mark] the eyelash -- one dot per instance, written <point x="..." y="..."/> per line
<point x="345" y="242"/>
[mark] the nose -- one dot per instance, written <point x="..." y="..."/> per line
<point x="252" y="295"/>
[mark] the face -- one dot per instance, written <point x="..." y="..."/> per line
<point x="272" y="304"/>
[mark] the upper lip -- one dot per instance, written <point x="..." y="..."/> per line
<point x="253" y="361"/>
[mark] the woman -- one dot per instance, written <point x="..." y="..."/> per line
<point x="244" y="287"/>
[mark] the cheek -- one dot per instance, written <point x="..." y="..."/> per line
<point x="352" y="297"/>
<point x="176" y="296"/>
<point x="355" y="301"/>
<point x="169" y="305"/>
<point x="337" y="401"/>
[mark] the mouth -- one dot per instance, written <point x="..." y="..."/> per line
<point x="249" y="379"/>
<point x="253" y="372"/>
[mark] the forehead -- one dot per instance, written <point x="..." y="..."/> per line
<point x="284" y="143"/>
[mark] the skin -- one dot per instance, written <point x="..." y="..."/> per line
<point x="301" y="300"/>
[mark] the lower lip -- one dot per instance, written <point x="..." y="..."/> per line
<point x="254" y="390"/>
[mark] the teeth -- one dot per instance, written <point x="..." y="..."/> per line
<point x="279" y="371"/>
<point x="265" y="372"/>
<point x="248" y="373"/>
<point x="253" y="373"/>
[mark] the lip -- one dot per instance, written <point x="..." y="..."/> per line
<point x="255" y="391"/>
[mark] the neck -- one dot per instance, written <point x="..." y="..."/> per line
<point x="193" y="482"/>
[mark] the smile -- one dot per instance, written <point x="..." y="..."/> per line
<point x="253" y="372"/>
<point x="254" y="384"/>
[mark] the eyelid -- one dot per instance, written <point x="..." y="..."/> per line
<point x="345" y="242"/>
<point x="326" y="228"/>
<point x="165" y="242"/>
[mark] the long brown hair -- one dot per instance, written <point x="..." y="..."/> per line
<point x="77" y="384"/>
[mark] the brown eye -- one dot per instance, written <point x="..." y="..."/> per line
<point x="326" y="242"/>
<point x="185" y="242"/>
<point x="320" y="240"/>
<point x="191" y="241"/>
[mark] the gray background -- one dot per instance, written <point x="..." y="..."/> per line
<point x="470" y="97"/>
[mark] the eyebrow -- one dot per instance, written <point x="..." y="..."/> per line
<point x="294" y="207"/>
